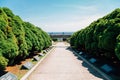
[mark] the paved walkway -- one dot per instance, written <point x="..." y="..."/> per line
<point x="62" y="64"/>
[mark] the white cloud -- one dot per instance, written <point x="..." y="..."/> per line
<point x="87" y="8"/>
<point x="80" y="7"/>
<point x="74" y="24"/>
<point x="67" y="21"/>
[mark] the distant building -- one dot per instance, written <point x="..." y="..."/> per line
<point x="60" y="36"/>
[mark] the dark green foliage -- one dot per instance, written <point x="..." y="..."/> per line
<point x="18" y="38"/>
<point x="47" y="40"/>
<point x="36" y="38"/>
<point x="117" y="48"/>
<point x="54" y="39"/>
<point x="73" y="39"/>
<point x="8" y="12"/>
<point x="33" y="37"/>
<point x="3" y="63"/>
<point x="102" y="35"/>
<point x="18" y="30"/>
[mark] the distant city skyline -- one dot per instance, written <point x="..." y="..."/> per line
<point x="61" y="15"/>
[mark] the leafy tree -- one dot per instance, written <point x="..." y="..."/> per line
<point x="101" y="35"/>
<point x="19" y="39"/>
<point x="3" y="63"/>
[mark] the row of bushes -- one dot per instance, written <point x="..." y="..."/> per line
<point x="102" y="37"/>
<point x="19" y="39"/>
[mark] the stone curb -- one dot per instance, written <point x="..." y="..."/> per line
<point x="106" y="77"/>
<point x="31" y="70"/>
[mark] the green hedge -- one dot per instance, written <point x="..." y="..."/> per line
<point x="3" y="63"/>
<point x="100" y="37"/>
<point x="19" y="39"/>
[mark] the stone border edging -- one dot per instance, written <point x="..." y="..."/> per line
<point x="98" y="70"/>
<point x="31" y="70"/>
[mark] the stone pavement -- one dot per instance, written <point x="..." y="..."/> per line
<point x="62" y="64"/>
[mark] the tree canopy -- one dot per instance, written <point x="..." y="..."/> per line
<point x="18" y="39"/>
<point x="102" y="35"/>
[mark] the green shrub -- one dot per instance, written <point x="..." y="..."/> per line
<point x="18" y="38"/>
<point x="3" y="63"/>
<point x="103" y="35"/>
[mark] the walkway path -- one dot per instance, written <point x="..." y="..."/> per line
<point x="62" y="64"/>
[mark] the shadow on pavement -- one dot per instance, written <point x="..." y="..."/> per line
<point x="2" y="72"/>
<point x="90" y="69"/>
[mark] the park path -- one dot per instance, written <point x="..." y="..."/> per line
<point x="62" y="64"/>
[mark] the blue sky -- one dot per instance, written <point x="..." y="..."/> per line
<point x="61" y="15"/>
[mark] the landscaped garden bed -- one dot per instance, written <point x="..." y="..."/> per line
<point x="18" y="69"/>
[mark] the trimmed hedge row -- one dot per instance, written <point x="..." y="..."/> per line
<point x="102" y="37"/>
<point x="19" y="39"/>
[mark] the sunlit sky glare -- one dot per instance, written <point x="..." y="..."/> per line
<point x="61" y="15"/>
